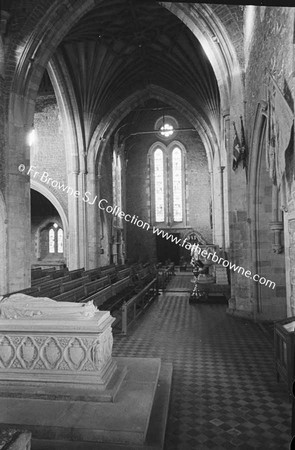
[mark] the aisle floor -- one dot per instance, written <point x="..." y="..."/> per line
<point x="224" y="391"/>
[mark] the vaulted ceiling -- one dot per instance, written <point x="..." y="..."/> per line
<point x="123" y="46"/>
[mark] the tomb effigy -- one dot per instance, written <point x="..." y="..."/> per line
<point x="49" y="347"/>
<point x="59" y="381"/>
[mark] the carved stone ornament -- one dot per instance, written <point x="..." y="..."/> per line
<point x="21" y="306"/>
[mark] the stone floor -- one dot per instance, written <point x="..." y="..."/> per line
<point x="224" y="390"/>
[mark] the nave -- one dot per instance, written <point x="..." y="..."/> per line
<point x="224" y="390"/>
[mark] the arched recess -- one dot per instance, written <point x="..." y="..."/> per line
<point x="3" y="246"/>
<point x="65" y="225"/>
<point x="266" y="256"/>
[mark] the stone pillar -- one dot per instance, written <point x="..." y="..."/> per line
<point x="74" y="250"/>
<point x="218" y="206"/>
<point x="83" y="232"/>
<point x="92" y="220"/>
<point x="220" y="170"/>
<point x="17" y="196"/>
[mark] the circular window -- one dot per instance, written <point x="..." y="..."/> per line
<point x="166" y="126"/>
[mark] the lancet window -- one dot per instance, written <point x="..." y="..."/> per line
<point x="167" y="183"/>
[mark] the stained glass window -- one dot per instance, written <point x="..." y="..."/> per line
<point x="159" y="185"/>
<point x="177" y="184"/>
<point x="166" y="130"/>
<point x="60" y="241"/>
<point x="51" y="241"/>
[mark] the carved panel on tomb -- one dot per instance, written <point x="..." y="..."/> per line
<point x="27" y="353"/>
<point x="58" y="353"/>
<point x="51" y="353"/>
<point x="7" y="352"/>
<point x="76" y="354"/>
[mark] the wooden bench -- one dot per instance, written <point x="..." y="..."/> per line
<point x="77" y="273"/>
<point x="143" y="277"/>
<point x="72" y="284"/>
<point x="111" y="272"/>
<point x="123" y="273"/>
<point x="41" y="273"/>
<point x="74" y="295"/>
<point x="164" y="276"/>
<point x="94" y="286"/>
<point x="93" y="274"/>
<point x="132" y="308"/>
<point x="109" y="297"/>
<point x="40" y="280"/>
<point x="59" y="273"/>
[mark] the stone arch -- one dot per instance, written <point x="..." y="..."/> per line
<point x="28" y="54"/>
<point x="212" y="35"/>
<point x="3" y="246"/>
<point x="64" y="220"/>
<point x="109" y="124"/>
<point x="46" y="192"/>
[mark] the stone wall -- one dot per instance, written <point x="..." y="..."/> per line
<point x="268" y="50"/>
<point x="48" y="153"/>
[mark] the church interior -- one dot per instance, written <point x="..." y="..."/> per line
<point x="147" y="177"/>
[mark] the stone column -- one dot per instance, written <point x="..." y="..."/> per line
<point x="74" y="250"/>
<point x="92" y="220"/>
<point x="17" y="196"/>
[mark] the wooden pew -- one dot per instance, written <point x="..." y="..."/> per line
<point x="77" y="273"/>
<point x="40" y="280"/>
<point x="111" y="272"/>
<point x="132" y="308"/>
<point x="123" y="273"/>
<point x="72" y="284"/>
<point x="94" y="286"/>
<point x="164" y="275"/>
<point x="93" y="274"/>
<point x="110" y="297"/>
<point x="74" y="295"/>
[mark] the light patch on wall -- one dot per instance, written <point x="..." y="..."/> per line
<point x="249" y="22"/>
<point x="207" y="47"/>
<point x="32" y="137"/>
